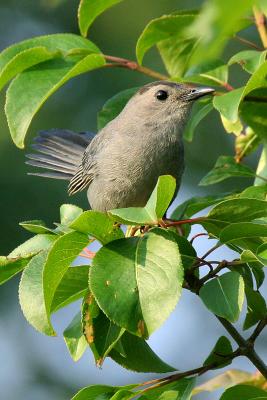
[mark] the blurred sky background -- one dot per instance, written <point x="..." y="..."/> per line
<point x="35" y="367"/>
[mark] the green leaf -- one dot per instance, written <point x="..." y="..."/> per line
<point x="36" y="226"/>
<point x="179" y="390"/>
<point x="262" y="167"/>
<point x="97" y="224"/>
<point x="31" y="296"/>
<point x="217" y="356"/>
<point x="24" y="99"/>
<point x="72" y="287"/>
<point x="74" y="338"/>
<point x="155" y="208"/>
<point x="200" y="110"/>
<point x="10" y="267"/>
<point x="212" y="31"/>
<point x="89" y="10"/>
<point x="256" y="308"/>
<point x="250" y="60"/>
<point x="255" y="192"/>
<point x="69" y="213"/>
<point x="33" y="246"/>
<point x="159" y="29"/>
<point x="187" y="251"/>
<point x="254" y="115"/>
<point x="242" y="230"/>
<point x="224" y="295"/>
<point x="63" y="252"/>
<point x="131" y="278"/>
<point x="255" y="264"/>
<point x="229" y="103"/>
<point x="212" y="73"/>
<point x="239" y="210"/>
<point x="134" y="353"/>
<point x="226" y="167"/>
<point x="95" y="392"/>
<point x="114" y="106"/>
<point x="262" y="252"/>
<point x="101" y="333"/>
<point x="244" y="392"/>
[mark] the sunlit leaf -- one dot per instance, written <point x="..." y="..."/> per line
<point x="74" y="338"/>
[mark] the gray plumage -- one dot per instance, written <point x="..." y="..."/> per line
<point x="121" y="164"/>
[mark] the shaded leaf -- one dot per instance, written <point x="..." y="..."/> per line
<point x="89" y="10"/>
<point x="217" y="356"/>
<point x="262" y="167"/>
<point x="224" y="295"/>
<point x="226" y="167"/>
<point x="95" y="391"/>
<point x="155" y="208"/>
<point x="242" y="230"/>
<point x="24" y="99"/>
<point x="244" y="392"/>
<point x="254" y="115"/>
<point x="131" y="278"/>
<point x="74" y="338"/>
<point x="200" y="110"/>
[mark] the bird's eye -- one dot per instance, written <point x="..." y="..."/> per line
<point x="162" y="95"/>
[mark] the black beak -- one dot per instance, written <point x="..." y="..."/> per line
<point x="199" y="92"/>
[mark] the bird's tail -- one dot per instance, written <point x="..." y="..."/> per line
<point x="59" y="152"/>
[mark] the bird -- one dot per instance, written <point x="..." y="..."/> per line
<point x="120" y="165"/>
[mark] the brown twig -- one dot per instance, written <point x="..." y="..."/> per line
<point x="247" y="42"/>
<point x="211" y="250"/>
<point x="198" y="235"/>
<point x="261" y="25"/>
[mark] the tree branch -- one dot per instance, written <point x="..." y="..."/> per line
<point x="259" y="328"/>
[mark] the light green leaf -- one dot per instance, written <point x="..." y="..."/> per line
<point x="95" y="391"/>
<point x="250" y="60"/>
<point x="69" y="213"/>
<point x="224" y="295"/>
<point x="114" y="106"/>
<point x="262" y="167"/>
<point x="159" y="29"/>
<point x="97" y="224"/>
<point x="31" y="296"/>
<point x="74" y="338"/>
<point x="235" y="127"/>
<point x="10" y="267"/>
<point x="242" y="230"/>
<point x="89" y="10"/>
<point x="212" y="73"/>
<point x="199" y="111"/>
<point x="225" y="168"/>
<point x="221" y="349"/>
<point x="244" y="392"/>
<point x="155" y="208"/>
<point x="101" y="333"/>
<point x="182" y="389"/>
<point x="33" y="246"/>
<point x="255" y="192"/>
<point x="63" y="252"/>
<point x="72" y="287"/>
<point x="36" y="226"/>
<point x="131" y="278"/>
<point x="134" y="353"/>
<point x="24" y="99"/>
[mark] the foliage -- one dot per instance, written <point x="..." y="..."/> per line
<point x="135" y="279"/>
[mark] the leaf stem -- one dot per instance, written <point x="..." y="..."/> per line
<point x="261" y="25"/>
<point x="247" y="42"/>
<point x="134" y="66"/>
<point x="183" y="221"/>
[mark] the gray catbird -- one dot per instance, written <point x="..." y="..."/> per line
<point x="121" y="164"/>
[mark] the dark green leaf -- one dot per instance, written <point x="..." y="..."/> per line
<point x="218" y="354"/>
<point x="239" y="210"/>
<point x="244" y="392"/>
<point x="155" y="207"/>
<point x="98" y="225"/>
<point x="226" y="167"/>
<point x="254" y="115"/>
<point x="10" y="267"/>
<point x="114" y="106"/>
<point x="242" y="230"/>
<point x="250" y="60"/>
<point x="224" y="296"/>
<point x="135" y="354"/>
<point x="89" y="10"/>
<point x="179" y="390"/>
<point x="186" y="250"/>
<point x="74" y="338"/>
<point x="256" y="308"/>
<point x="199" y="111"/>
<point x="24" y="99"/>
<point x="95" y="392"/>
<point x="131" y="278"/>
<point x="72" y="287"/>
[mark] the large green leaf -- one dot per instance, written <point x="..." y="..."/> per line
<point x="33" y="246"/>
<point x="224" y="295"/>
<point x="250" y="60"/>
<point x="10" y="267"/>
<point x="101" y="333"/>
<point x="229" y="103"/>
<point x="254" y="115"/>
<point x="200" y="110"/>
<point x="133" y="353"/>
<point x="244" y="392"/>
<point x="36" y="226"/>
<point x="69" y="213"/>
<point x="219" y="353"/>
<point x="155" y="208"/>
<point x="114" y="106"/>
<point x="89" y="11"/>
<point x="131" y="278"/>
<point x="24" y="98"/>
<point x="31" y="296"/>
<point x="63" y="252"/>
<point x="74" y="338"/>
<point x="212" y="73"/>
<point x="160" y="29"/>
<point x="226" y="167"/>
<point x="98" y="225"/>
<point x="72" y="287"/>
<point x="242" y="230"/>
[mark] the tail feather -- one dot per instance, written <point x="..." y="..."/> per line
<point x="60" y="152"/>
